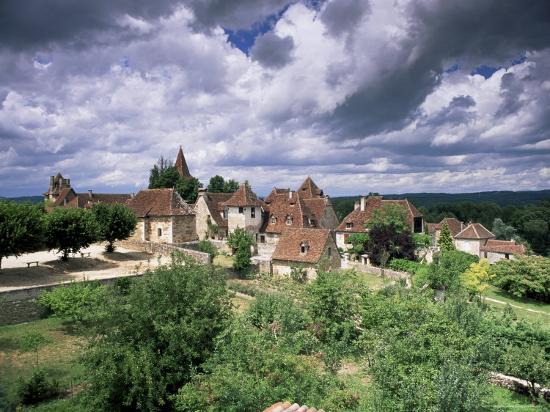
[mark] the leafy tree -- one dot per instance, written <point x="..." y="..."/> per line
<point x="385" y="243"/>
<point x="218" y="184"/>
<point x="527" y="276"/>
<point x="503" y="231"/>
<point x="359" y="242"/>
<point x="390" y="215"/>
<point x="165" y="175"/>
<point x="70" y="229"/>
<point x="116" y="222"/>
<point x="477" y="277"/>
<point x="21" y="228"/>
<point x="32" y="342"/>
<point x="448" y="266"/>
<point x="188" y="188"/>
<point x="230" y="186"/>
<point x="151" y="341"/>
<point x="240" y="241"/>
<point x="208" y="247"/>
<point x="445" y="241"/>
<point x="421" y="240"/>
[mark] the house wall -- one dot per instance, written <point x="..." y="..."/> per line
<point x="244" y="220"/>
<point x="183" y="228"/>
<point x="468" y="245"/>
<point x="340" y="242"/>
<point x="284" y="267"/>
<point x="267" y="248"/>
<point x="201" y="219"/>
<point x="175" y="229"/>
<point x="494" y="257"/>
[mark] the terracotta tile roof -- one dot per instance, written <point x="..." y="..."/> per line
<point x="288" y="407"/>
<point x="474" y="231"/>
<point x="455" y="226"/>
<point x="273" y="195"/>
<point x="411" y="209"/>
<point x="87" y="200"/>
<point x="309" y="189"/>
<point x="503" y="246"/>
<point x="65" y="193"/>
<point x="289" y="207"/>
<point x="159" y="202"/>
<point x="215" y="201"/>
<point x="181" y="165"/>
<point x="244" y="196"/>
<point x="289" y="246"/>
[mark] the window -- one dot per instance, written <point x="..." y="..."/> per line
<point x="304" y="247"/>
<point x="346" y="239"/>
<point x="349" y="225"/>
<point x="241" y="210"/>
<point x="507" y="255"/>
<point x="289" y="220"/>
<point x="224" y="214"/>
<point x="485" y="255"/>
<point x="262" y="238"/>
<point x="252" y="212"/>
<point x="418" y="225"/>
<point x="273" y="220"/>
<point x="159" y="232"/>
<point x="312" y="222"/>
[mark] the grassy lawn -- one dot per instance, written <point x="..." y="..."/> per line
<point x="57" y="356"/>
<point x="373" y="281"/>
<point x="505" y="400"/>
<point x="529" y="309"/>
<point x="223" y="261"/>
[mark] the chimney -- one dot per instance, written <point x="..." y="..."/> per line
<point x="363" y="201"/>
<point x="90" y="193"/>
<point x="356" y="205"/>
<point x="202" y="191"/>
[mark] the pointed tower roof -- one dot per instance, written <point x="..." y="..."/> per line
<point x="309" y="189"/>
<point x="181" y="165"/>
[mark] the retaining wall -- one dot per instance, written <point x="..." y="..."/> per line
<point x="166" y="249"/>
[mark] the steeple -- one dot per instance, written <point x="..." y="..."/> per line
<point x="309" y="189"/>
<point x="181" y="165"/>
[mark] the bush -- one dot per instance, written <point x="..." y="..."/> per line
<point x="240" y="241"/>
<point x="404" y="265"/>
<point x="298" y="274"/>
<point x="37" y="388"/>
<point x="208" y="247"/>
<point x="524" y="277"/>
<point x="447" y="268"/>
<point x="77" y="302"/>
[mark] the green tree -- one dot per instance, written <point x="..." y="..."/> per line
<point x="230" y="186"/>
<point x="477" y="277"/>
<point x="116" y="222"/>
<point x="447" y="269"/>
<point x="216" y="184"/>
<point x="390" y="215"/>
<point x="359" y="242"/>
<point x="161" y="174"/>
<point x="503" y="231"/>
<point x="240" y="241"/>
<point x="527" y="276"/>
<point x="70" y="229"/>
<point x="21" y="228"/>
<point x="151" y="341"/>
<point x="445" y="241"/>
<point x="188" y="188"/>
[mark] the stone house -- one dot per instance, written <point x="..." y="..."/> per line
<point x="244" y="210"/>
<point x="163" y="217"/>
<point x="494" y="250"/>
<point x="305" y="248"/>
<point x="471" y="238"/>
<point x="61" y="194"/>
<point x="363" y="211"/>
<point x="455" y="227"/>
<point x="210" y="210"/>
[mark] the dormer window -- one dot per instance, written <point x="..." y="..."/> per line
<point x="273" y="220"/>
<point x="304" y="247"/>
<point x="289" y="220"/>
<point x="312" y="222"/>
<point x="349" y="225"/>
<point x="241" y="210"/>
<point x="252" y="212"/>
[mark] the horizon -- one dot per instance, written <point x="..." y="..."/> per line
<point x="411" y="96"/>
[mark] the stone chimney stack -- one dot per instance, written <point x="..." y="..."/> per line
<point x="90" y="195"/>
<point x="363" y="202"/>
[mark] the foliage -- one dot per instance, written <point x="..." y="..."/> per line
<point x="208" y="247"/>
<point x="477" y="277"/>
<point x="70" y="229"/>
<point x="240" y="241"/>
<point x="213" y="229"/>
<point x="115" y="221"/>
<point x="445" y="241"/>
<point x="32" y="342"/>
<point x="37" y="388"/>
<point x="448" y="266"/>
<point x="21" y="228"/>
<point x="358" y="241"/>
<point x="503" y="231"/>
<point x="390" y="215"/>
<point x="149" y="343"/>
<point x="188" y="188"/>
<point x="218" y="184"/>
<point x="298" y="274"/>
<point x="404" y="265"/>
<point x="76" y="303"/>
<point x="165" y="175"/>
<point x="386" y="243"/>
<point x="527" y="276"/>
<point x="421" y="240"/>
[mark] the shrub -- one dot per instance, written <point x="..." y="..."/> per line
<point x="208" y="247"/>
<point x="37" y="388"/>
<point x="115" y="222"/>
<point x="448" y="266"/>
<point x="240" y="241"/>
<point x="77" y="302"/>
<point x="524" y="277"/>
<point x="404" y="265"/>
<point x="298" y="274"/>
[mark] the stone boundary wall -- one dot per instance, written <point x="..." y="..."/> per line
<point x="166" y="249"/>
<point x="393" y="274"/>
<point x="517" y="385"/>
<point x="21" y="305"/>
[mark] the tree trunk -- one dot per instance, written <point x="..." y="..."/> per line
<point x="0" y="262"/>
<point x="65" y="256"/>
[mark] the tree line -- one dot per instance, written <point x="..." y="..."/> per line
<point x="26" y="228"/>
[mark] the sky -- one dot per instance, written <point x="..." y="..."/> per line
<point x="388" y="96"/>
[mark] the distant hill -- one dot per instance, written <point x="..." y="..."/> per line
<point x="501" y="198"/>
<point x="25" y="199"/>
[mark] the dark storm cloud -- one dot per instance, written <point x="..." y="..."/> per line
<point x="510" y="88"/>
<point x="455" y="113"/>
<point x="272" y="51"/>
<point x="340" y="16"/>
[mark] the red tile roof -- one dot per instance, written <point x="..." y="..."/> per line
<point x="474" y="231"/>
<point x="181" y="165"/>
<point x="359" y="218"/>
<point x="214" y="202"/>
<point x="289" y="246"/>
<point x="455" y="226"/>
<point x="503" y="246"/>
<point x="287" y="407"/>
<point x="244" y="196"/>
<point x="159" y="202"/>
<point x="273" y="195"/>
<point x="309" y="189"/>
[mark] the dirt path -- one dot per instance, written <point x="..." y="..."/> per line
<point x="516" y="306"/>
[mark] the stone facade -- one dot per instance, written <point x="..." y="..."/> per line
<point x="247" y="217"/>
<point x="203" y="217"/>
<point x="165" y="229"/>
<point x="469" y="245"/>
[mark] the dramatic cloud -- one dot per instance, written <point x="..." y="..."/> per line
<point x="401" y="96"/>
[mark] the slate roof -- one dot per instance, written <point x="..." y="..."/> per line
<point x="289" y="246"/>
<point x="215" y="201"/>
<point x="244" y="196"/>
<point x="309" y="189"/>
<point x="181" y="165"/>
<point x="287" y="407"/>
<point x="474" y="231"/>
<point x="455" y="226"/>
<point x="503" y="246"/>
<point x="159" y="202"/>
<point x="358" y="218"/>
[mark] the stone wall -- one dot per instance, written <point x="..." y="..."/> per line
<point x="21" y="305"/>
<point x="360" y="267"/>
<point x="166" y="249"/>
<point x="183" y="229"/>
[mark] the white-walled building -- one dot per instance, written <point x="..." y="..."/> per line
<point x="244" y="210"/>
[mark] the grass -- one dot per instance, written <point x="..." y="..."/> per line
<point x="528" y="309"/>
<point x="57" y="356"/>
<point x="506" y="400"/>
<point x="223" y="261"/>
<point x="373" y="281"/>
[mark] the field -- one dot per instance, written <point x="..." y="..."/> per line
<point x="528" y="309"/>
